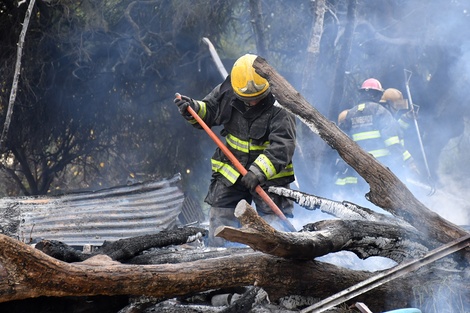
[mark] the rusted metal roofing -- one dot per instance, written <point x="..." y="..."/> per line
<point x="90" y="218"/>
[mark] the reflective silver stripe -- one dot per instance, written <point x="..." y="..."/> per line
<point x="373" y="134"/>
<point x="226" y="170"/>
<point x="265" y="165"/>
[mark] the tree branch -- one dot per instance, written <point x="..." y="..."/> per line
<point x="14" y="86"/>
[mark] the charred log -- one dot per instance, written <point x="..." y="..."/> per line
<point x="162" y="256"/>
<point x="123" y="249"/>
<point x="247" y="301"/>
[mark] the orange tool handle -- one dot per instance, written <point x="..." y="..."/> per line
<point x="260" y="191"/>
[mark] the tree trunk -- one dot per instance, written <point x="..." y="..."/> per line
<point x="257" y="23"/>
<point x="313" y="49"/>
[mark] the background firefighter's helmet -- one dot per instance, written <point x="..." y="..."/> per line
<point x="371" y="90"/>
<point x="394" y="98"/>
<point x="246" y="83"/>
<point x="372" y="84"/>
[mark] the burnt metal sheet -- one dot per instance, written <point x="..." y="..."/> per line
<point x="90" y="218"/>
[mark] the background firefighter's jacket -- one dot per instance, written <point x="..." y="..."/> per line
<point x="373" y="128"/>
<point x="262" y="135"/>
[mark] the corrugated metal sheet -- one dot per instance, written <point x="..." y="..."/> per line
<point x="91" y="218"/>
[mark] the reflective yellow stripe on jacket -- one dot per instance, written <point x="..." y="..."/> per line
<point x="262" y="161"/>
<point x="373" y="134"/>
<point x="392" y="141"/>
<point x="266" y="166"/>
<point x="268" y="169"/>
<point x="288" y="171"/>
<point x="243" y="145"/>
<point x="226" y="170"/>
<point x="406" y="155"/>
<point x="201" y="112"/>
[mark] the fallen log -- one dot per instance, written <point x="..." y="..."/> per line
<point x="386" y="190"/>
<point x="364" y="238"/>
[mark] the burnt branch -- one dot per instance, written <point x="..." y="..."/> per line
<point x="123" y="249"/>
<point x="364" y="238"/>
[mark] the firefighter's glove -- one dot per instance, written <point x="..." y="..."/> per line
<point x="183" y="105"/>
<point x="411" y="114"/>
<point x="250" y="180"/>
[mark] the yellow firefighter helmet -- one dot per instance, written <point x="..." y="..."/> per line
<point x="394" y="98"/>
<point x="246" y="83"/>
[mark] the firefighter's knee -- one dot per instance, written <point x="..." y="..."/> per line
<point x="220" y="217"/>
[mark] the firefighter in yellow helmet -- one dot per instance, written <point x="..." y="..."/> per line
<point x="376" y="131"/>
<point x="259" y="134"/>
<point x="393" y="100"/>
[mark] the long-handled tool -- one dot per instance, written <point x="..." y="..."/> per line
<point x="239" y="167"/>
<point x="425" y="159"/>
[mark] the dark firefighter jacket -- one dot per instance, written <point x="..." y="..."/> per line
<point x="262" y="136"/>
<point x="375" y="129"/>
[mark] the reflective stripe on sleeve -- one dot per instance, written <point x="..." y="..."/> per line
<point x="288" y="171"/>
<point x="392" y="141"/>
<point x="406" y="155"/>
<point x="266" y="166"/>
<point x="403" y="124"/>
<point x="201" y="112"/>
<point x="226" y="170"/>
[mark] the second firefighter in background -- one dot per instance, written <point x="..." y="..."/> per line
<point x="373" y="127"/>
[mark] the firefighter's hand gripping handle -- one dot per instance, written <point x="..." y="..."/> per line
<point x="239" y="167"/>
